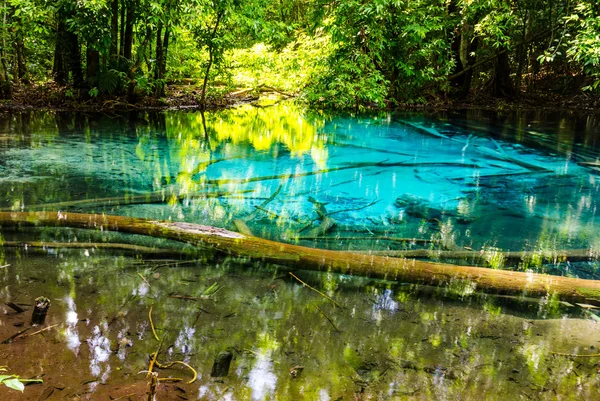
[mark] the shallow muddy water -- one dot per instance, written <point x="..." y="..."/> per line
<point x="387" y="341"/>
<point x="458" y="187"/>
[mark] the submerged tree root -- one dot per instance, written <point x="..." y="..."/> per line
<point x="408" y="270"/>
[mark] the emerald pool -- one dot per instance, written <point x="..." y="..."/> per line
<point x="514" y="190"/>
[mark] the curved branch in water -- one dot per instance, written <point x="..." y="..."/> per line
<point x="408" y="270"/>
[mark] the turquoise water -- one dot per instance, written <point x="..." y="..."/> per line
<point x="480" y="181"/>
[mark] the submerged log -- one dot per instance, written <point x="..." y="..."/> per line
<point x="221" y="365"/>
<point x="400" y="269"/>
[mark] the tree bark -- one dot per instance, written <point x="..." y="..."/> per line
<point x="92" y="65"/>
<point x="210" y="60"/>
<point x="130" y="20"/>
<point x="502" y="85"/>
<point x="114" y="29"/>
<point x="162" y="46"/>
<point x="399" y="269"/>
<point x="122" y="31"/>
<point x="59" y="70"/>
<point x="21" y="69"/>
<point x="159" y="52"/>
<point x="5" y="86"/>
<point x="75" y="59"/>
<point x="463" y="46"/>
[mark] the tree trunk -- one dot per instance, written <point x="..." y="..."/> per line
<point x="92" y="65"/>
<point x="5" y="86"/>
<point x="114" y="30"/>
<point x="20" y="66"/>
<point x="162" y="46"/>
<point x="502" y="85"/>
<point x="210" y="60"/>
<point x="165" y="50"/>
<point x="294" y="256"/>
<point x="462" y="47"/>
<point x="59" y="70"/>
<point x="159" y="52"/>
<point x="128" y="45"/>
<point x="131" y="98"/>
<point x="122" y="32"/>
<point x="75" y="60"/>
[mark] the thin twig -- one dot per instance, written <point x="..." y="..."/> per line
<point x="17" y="334"/>
<point x="152" y="323"/>
<point x="327" y="317"/>
<point x="168" y="365"/>
<point x="40" y="331"/>
<point x="315" y="290"/>
<point x="144" y="278"/>
<point x="153" y="360"/>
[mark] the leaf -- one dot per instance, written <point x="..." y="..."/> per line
<point x="4" y="377"/>
<point x="15" y="384"/>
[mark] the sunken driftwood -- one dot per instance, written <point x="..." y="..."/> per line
<point x="221" y="365"/>
<point x="241" y="225"/>
<point x="408" y="270"/>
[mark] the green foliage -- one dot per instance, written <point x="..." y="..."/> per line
<point x="109" y="81"/>
<point x="349" y="82"/>
<point x="348" y="54"/>
<point x="290" y="69"/>
<point x="12" y="382"/>
<point x="584" y="44"/>
<point x="382" y="49"/>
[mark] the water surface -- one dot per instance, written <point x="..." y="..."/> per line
<point x="480" y="183"/>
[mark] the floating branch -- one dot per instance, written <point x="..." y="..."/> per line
<point x="398" y="269"/>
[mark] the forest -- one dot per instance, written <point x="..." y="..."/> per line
<point x="332" y="54"/>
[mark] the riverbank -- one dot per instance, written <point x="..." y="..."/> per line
<point x="186" y="95"/>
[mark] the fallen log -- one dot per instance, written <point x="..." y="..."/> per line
<point x="554" y="256"/>
<point x="138" y="249"/>
<point x="400" y="269"/>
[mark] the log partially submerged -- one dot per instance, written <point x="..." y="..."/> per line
<point x="400" y="269"/>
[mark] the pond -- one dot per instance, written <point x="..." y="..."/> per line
<point x="505" y="191"/>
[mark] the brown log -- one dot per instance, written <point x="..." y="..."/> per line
<point x="97" y="245"/>
<point x="572" y="255"/>
<point x="407" y="270"/>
